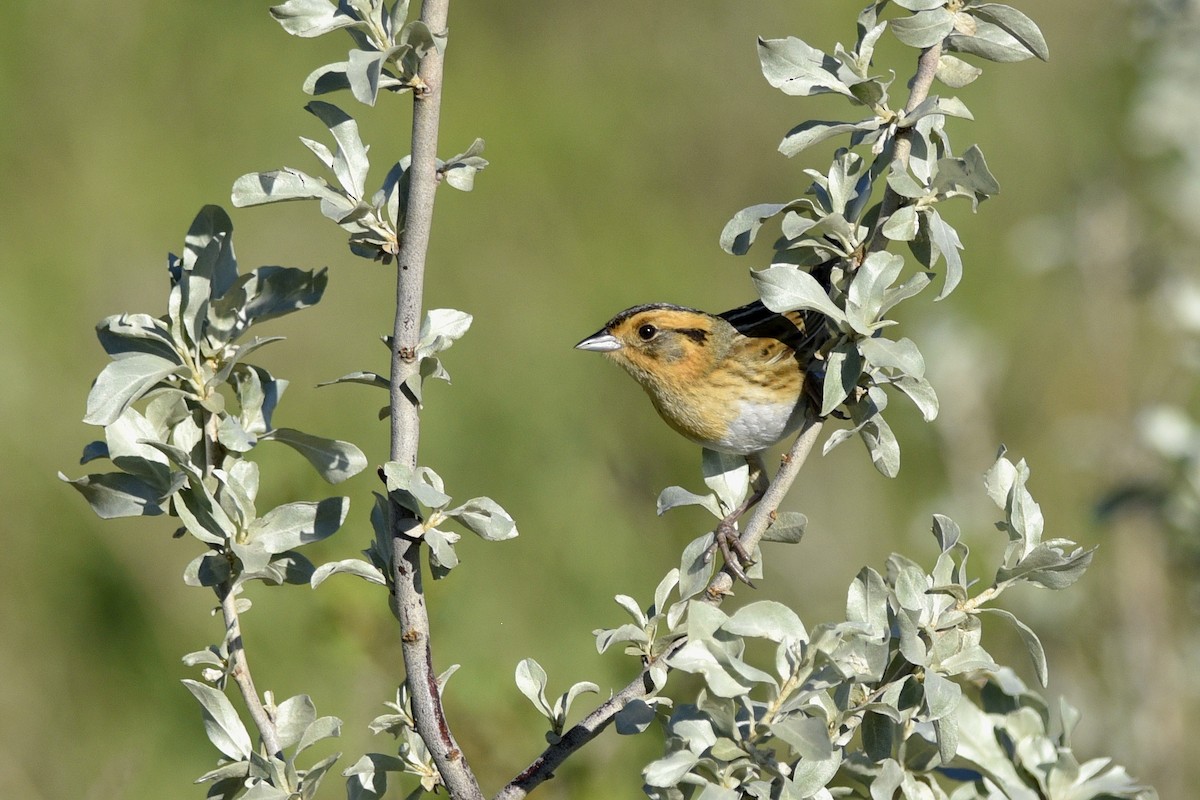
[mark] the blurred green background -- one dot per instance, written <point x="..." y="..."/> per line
<point x="622" y="136"/>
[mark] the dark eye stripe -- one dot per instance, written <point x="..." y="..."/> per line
<point x="698" y="335"/>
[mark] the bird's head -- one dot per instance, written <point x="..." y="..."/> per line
<point x="661" y="343"/>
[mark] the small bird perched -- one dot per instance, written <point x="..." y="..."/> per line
<point x="735" y="382"/>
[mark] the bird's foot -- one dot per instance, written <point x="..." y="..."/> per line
<point x="737" y="558"/>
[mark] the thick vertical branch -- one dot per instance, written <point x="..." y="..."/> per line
<point x="421" y="677"/>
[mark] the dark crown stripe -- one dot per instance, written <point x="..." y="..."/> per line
<point x="629" y="312"/>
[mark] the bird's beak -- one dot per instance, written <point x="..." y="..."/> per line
<point x="600" y="342"/>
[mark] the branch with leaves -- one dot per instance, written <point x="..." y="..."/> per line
<point x="900" y="697"/>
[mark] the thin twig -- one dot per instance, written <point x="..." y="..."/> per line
<point x="428" y="714"/>
<point x="927" y="65"/>
<point x="239" y="670"/>
<point x="764" y="512"/>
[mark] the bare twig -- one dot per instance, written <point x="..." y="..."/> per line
<point x="239" y="670"/>
<point x="918" y="90"/>
<point x="427" y="710"/>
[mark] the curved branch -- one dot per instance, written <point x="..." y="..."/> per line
<point x="428" y="714"/>
<point x="764" y="512"/>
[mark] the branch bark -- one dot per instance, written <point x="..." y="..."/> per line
<point x="927" y="65"/>
<point x="239" y="670"/>
<point x="428" y="714"/>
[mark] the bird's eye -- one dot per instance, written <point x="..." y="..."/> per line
<point x="646" y="332"/>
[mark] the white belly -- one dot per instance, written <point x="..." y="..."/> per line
<point x="757" y="426"/>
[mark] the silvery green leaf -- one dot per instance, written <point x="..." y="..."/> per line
<point x="607" y="637"/>
<point x="949" y="106"/>
<point x="739" y="233"/>
<point x="207" y="569"/>
<point x="1032" y="643"/>
<point x="766" y="619"/>
<point x="695" y="657"/>
<point x="349" y="566"/>
<point x="417" y="488"/>
<point x="269" y="292"/>
<point x="670" y="770"/>
<point x="921" y="392"/>
<point x="324" y="80"/>
<point x="334" y="460"/>
<point x="531" y="681"/>
<point x="123" y="334"/>
<point x="350" y="158"/>
<point x="968" y="175"/>
<point x="440" y="329"/>
<point x="485" y="518"/>
<point x="812" y="775"/>
<point x="902" y="225"/>
<point x="676" y="496"/>
<point x="794" y="67"/>
<point x="842" y="371"/>
<point x="901" y="355"/>
<point x="123" y="382"/>
<point x="263" y="790"/>
<point x="877" y="272"/>
<point x="663" y="590"/>
<point x="728" y="475"/>
<point x="442" y="556"/>
<point x="363" y="70"/>
<point x="999" y="479"/>
<point x="812" y="132"/>
<point x="460" y="170"/>
<point x="293" y="525"/>
<point x="919" y="5"/>
<point x="956" y="73"/>
<point x="292" y="717"/>
<point x="787" y="528"/>
<point x="631" y="607"/>
<point x="867" y="601"/>
<point x="562" y="706"/>
<point x="807" y="736"/>
<point x="221" y="722"/>
<point x="945" y="242"/>
<point x="925" y="28"/>
<point x="783" y="287"/>
<point x="910" y="288"/>
<point x="257" y="188"/>
<point x="203" y="516"/>
<point x="991" y="42"/>
<point x="258" y="394"/>
<point x="118" y="494"/>
<point x="318" y="730"/>
<point x="320" y="150"/>
<point x="836" y="438"/>
<point x="1048" y="567"/>
<point x="695" y="566"/>
<point x="1021" y="27"/>
<point x="941" y="695"/>
<point x="881" y="444"/>
<point x="309" y="18"/>
<point x="367" y="378"/>
<point x="634" y="718"/>
<point x="233" y="437"/>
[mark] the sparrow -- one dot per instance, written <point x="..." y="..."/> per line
<point x="737" y="382"/>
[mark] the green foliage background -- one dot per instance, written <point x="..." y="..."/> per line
<point x="622" y="136"/>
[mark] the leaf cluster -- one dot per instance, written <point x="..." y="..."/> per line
<point x="902" y="695"/>
<point x="245" y="772"/>
<point x="386" y="55"/>
<point x="884" y="187"/>
<point x="181" y="408"/>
